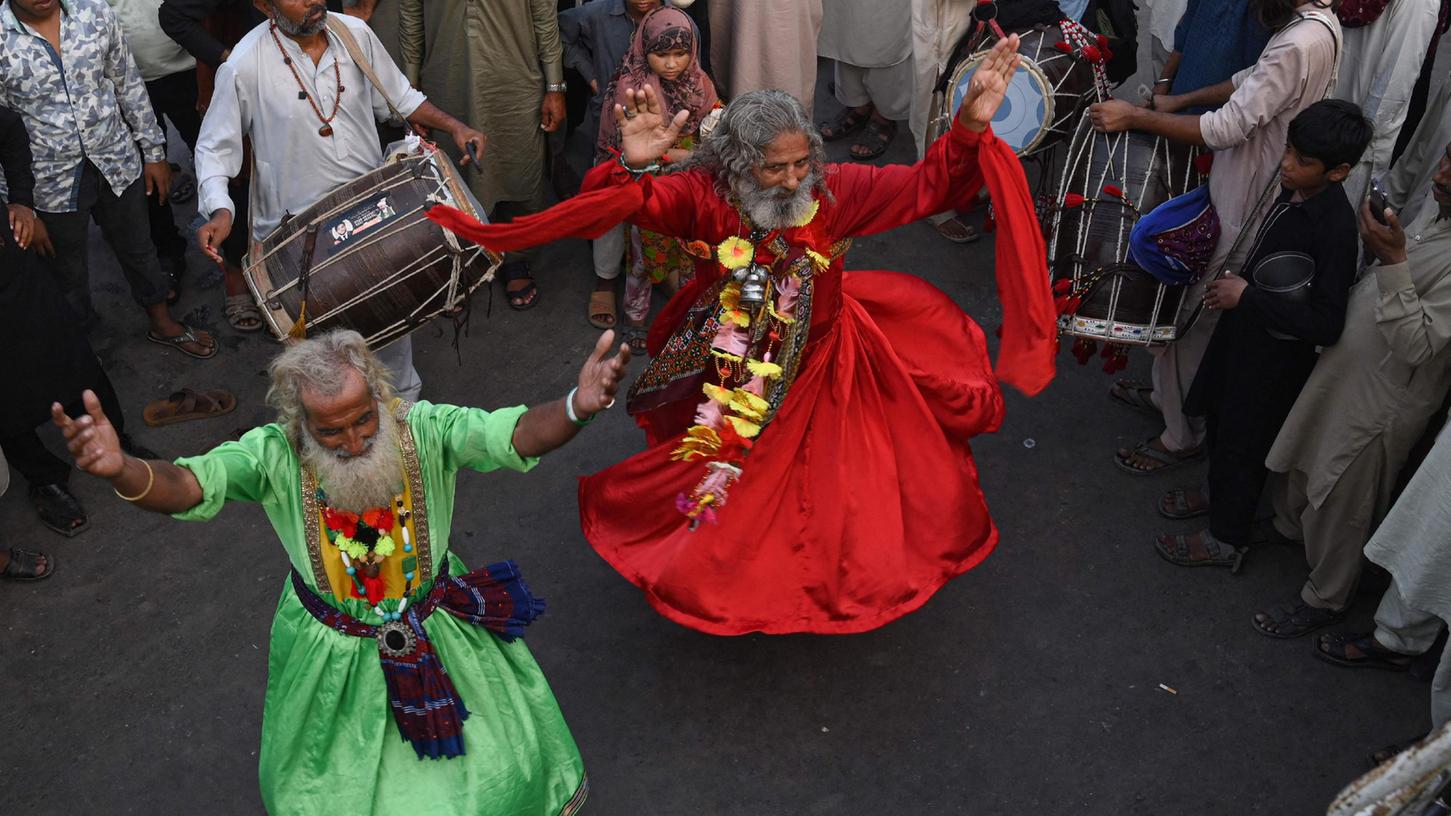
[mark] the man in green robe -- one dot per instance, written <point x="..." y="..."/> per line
<point x="344" y="448"/>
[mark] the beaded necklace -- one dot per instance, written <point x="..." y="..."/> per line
<point x="364" y="541"/>
<point x="302" y="92"/>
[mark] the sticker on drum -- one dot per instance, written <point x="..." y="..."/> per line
<point x="1027" y="110"/>
<point x="361" y="219"/>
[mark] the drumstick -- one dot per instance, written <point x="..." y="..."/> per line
<point x="473" y="155"/>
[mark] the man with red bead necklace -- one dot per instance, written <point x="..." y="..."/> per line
<point x="310" y="112"/>
<point x="354" y="481"/>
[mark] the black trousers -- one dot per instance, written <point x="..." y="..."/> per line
<point x="1237" y="476"/>
<point x="120" y="218"/>
<point x="29" y="455"/>
<point x="172" y="97"/>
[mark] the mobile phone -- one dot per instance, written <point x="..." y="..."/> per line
<point x="1378" y="199"/>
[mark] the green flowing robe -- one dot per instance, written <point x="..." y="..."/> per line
<point x="329" y="741"/>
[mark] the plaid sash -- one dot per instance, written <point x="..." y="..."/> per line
<point x="425" y="704"/>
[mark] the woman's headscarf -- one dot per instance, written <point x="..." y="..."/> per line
<point x="663" y="29"/>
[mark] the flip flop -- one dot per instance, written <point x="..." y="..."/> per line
<point x="1167" y="460"/>
<point x="187" y="404"/>
<point x="179" y="343"/>
<point x="22" y="566"/>
<point x="1135" y="394"/>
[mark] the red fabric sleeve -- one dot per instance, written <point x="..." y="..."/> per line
<point x="1030" y="322"/>
<point x="875" y="199"/>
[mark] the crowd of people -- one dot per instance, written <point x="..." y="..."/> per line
<point x="1319" y="406"/>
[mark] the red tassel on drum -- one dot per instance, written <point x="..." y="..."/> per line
<point x="1092" y="54"/>
<point x="1083" y="349"/>
<point x="1073" y="200"/>
<point x="1062" y="286"/>
<point x="1118" y="361"/>
<point x="1063" y="46"/>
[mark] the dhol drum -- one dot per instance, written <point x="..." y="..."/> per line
<point x="1109" y="180"/>
<point x="1056" y="80"/>
<point x="365" y="257"/>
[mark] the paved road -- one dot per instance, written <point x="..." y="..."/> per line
<point x="133" y="679"/>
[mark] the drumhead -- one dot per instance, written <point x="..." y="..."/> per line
<point x="1027" y="110"/>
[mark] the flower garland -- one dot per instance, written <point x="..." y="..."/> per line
<point x="757" y="308"/>
<point x="364" y="541"/>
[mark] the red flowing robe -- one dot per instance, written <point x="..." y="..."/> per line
<point x="860" y="498"/>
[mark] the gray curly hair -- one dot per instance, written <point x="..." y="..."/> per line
<point x="320" y="365"/>
<point x="748" y="124"/>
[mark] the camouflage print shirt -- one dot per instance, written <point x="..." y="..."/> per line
<point x="87" y="102"/>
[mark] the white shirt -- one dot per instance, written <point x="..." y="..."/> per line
<point x="257" y="96"/>
<point x="156" y="54"/>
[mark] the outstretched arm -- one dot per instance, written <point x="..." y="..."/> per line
<point x="545" y="427"/>
<point x="93" y="442"/>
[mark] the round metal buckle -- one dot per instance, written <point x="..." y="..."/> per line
<point x="396" y="639"/>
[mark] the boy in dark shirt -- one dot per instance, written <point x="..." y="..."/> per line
<point x="1267" y="341"/>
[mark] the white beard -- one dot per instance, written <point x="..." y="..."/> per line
<point x="357" y="483"/>
<point x="774" y="208"/>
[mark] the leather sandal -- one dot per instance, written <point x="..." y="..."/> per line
<point x="24" y="566"/>
<point x="187" y="404"/>
<point x="59" y="509"/>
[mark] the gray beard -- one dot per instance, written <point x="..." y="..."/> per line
<point x="292" y="29"/>
<point x="357" y="483"/>
<point x="769" y="209"/>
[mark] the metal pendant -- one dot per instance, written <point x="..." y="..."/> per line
<point x="396" y="639"/>
<point x="325" y="130"/>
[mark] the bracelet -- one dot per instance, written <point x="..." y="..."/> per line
<point x="556" y="87"/>
<point x="1164" y="81"/>
<point x="150" y="481"/>
<point x="569" y="410"/>
<point x="649" y="169"/>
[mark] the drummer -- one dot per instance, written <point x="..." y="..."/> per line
<point x="1247" y="135"/>
<point x="310" y="112"/>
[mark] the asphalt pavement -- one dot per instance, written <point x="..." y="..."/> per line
<point x="1072" y="672"/>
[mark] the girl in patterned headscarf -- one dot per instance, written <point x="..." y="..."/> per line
<point x="665" y="55"/>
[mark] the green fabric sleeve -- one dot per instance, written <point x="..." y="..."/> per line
<point x="236" y="471"/>
<point x="474" y="438"/>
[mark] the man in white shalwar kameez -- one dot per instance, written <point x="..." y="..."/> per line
<point x="259" y="96"/>
<point x="1378" y="72"/>
<point x="1414" y="545"/>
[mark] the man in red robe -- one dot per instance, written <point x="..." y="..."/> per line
<point x="808" y="468"/>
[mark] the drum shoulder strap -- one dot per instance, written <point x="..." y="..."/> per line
<point x="340" y="29"/>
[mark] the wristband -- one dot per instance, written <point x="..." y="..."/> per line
<point x="1164" y="81"/>
<point x="556" y="87"/>
<point x="569" y="410"/>
<point x="649" y="169"/>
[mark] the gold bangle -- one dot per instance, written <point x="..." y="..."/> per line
<point x="150" y="480"/>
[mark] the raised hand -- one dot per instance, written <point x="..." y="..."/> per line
<point x="600" y="377"/>
<point x="989" y="85"/>
<point x="91" y="438"/>
<point x="644" y="131"/>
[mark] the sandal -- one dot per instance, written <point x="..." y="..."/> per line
<point x="178" y="342"/>
<point x="846" y="123"/>
<point x="242" y="313"/>
<point x="24" y="565"/>
<point x="954" y="230"/>
<point x="59" y="509"/>
<point x="875" y="140"/>
<point x="1164" y="460"/>
<point x="187" y="404"/>
<point x="525" y="297"/>
<point x="637" y="337"/>
<point x="1331" y="648"/>
<point x="1176" y="506"/>
<point x="601" y="310"/>
<point x="1136" y="395"/>
<point x="1210" y="551"/>
<point x="1293" y="619"/>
